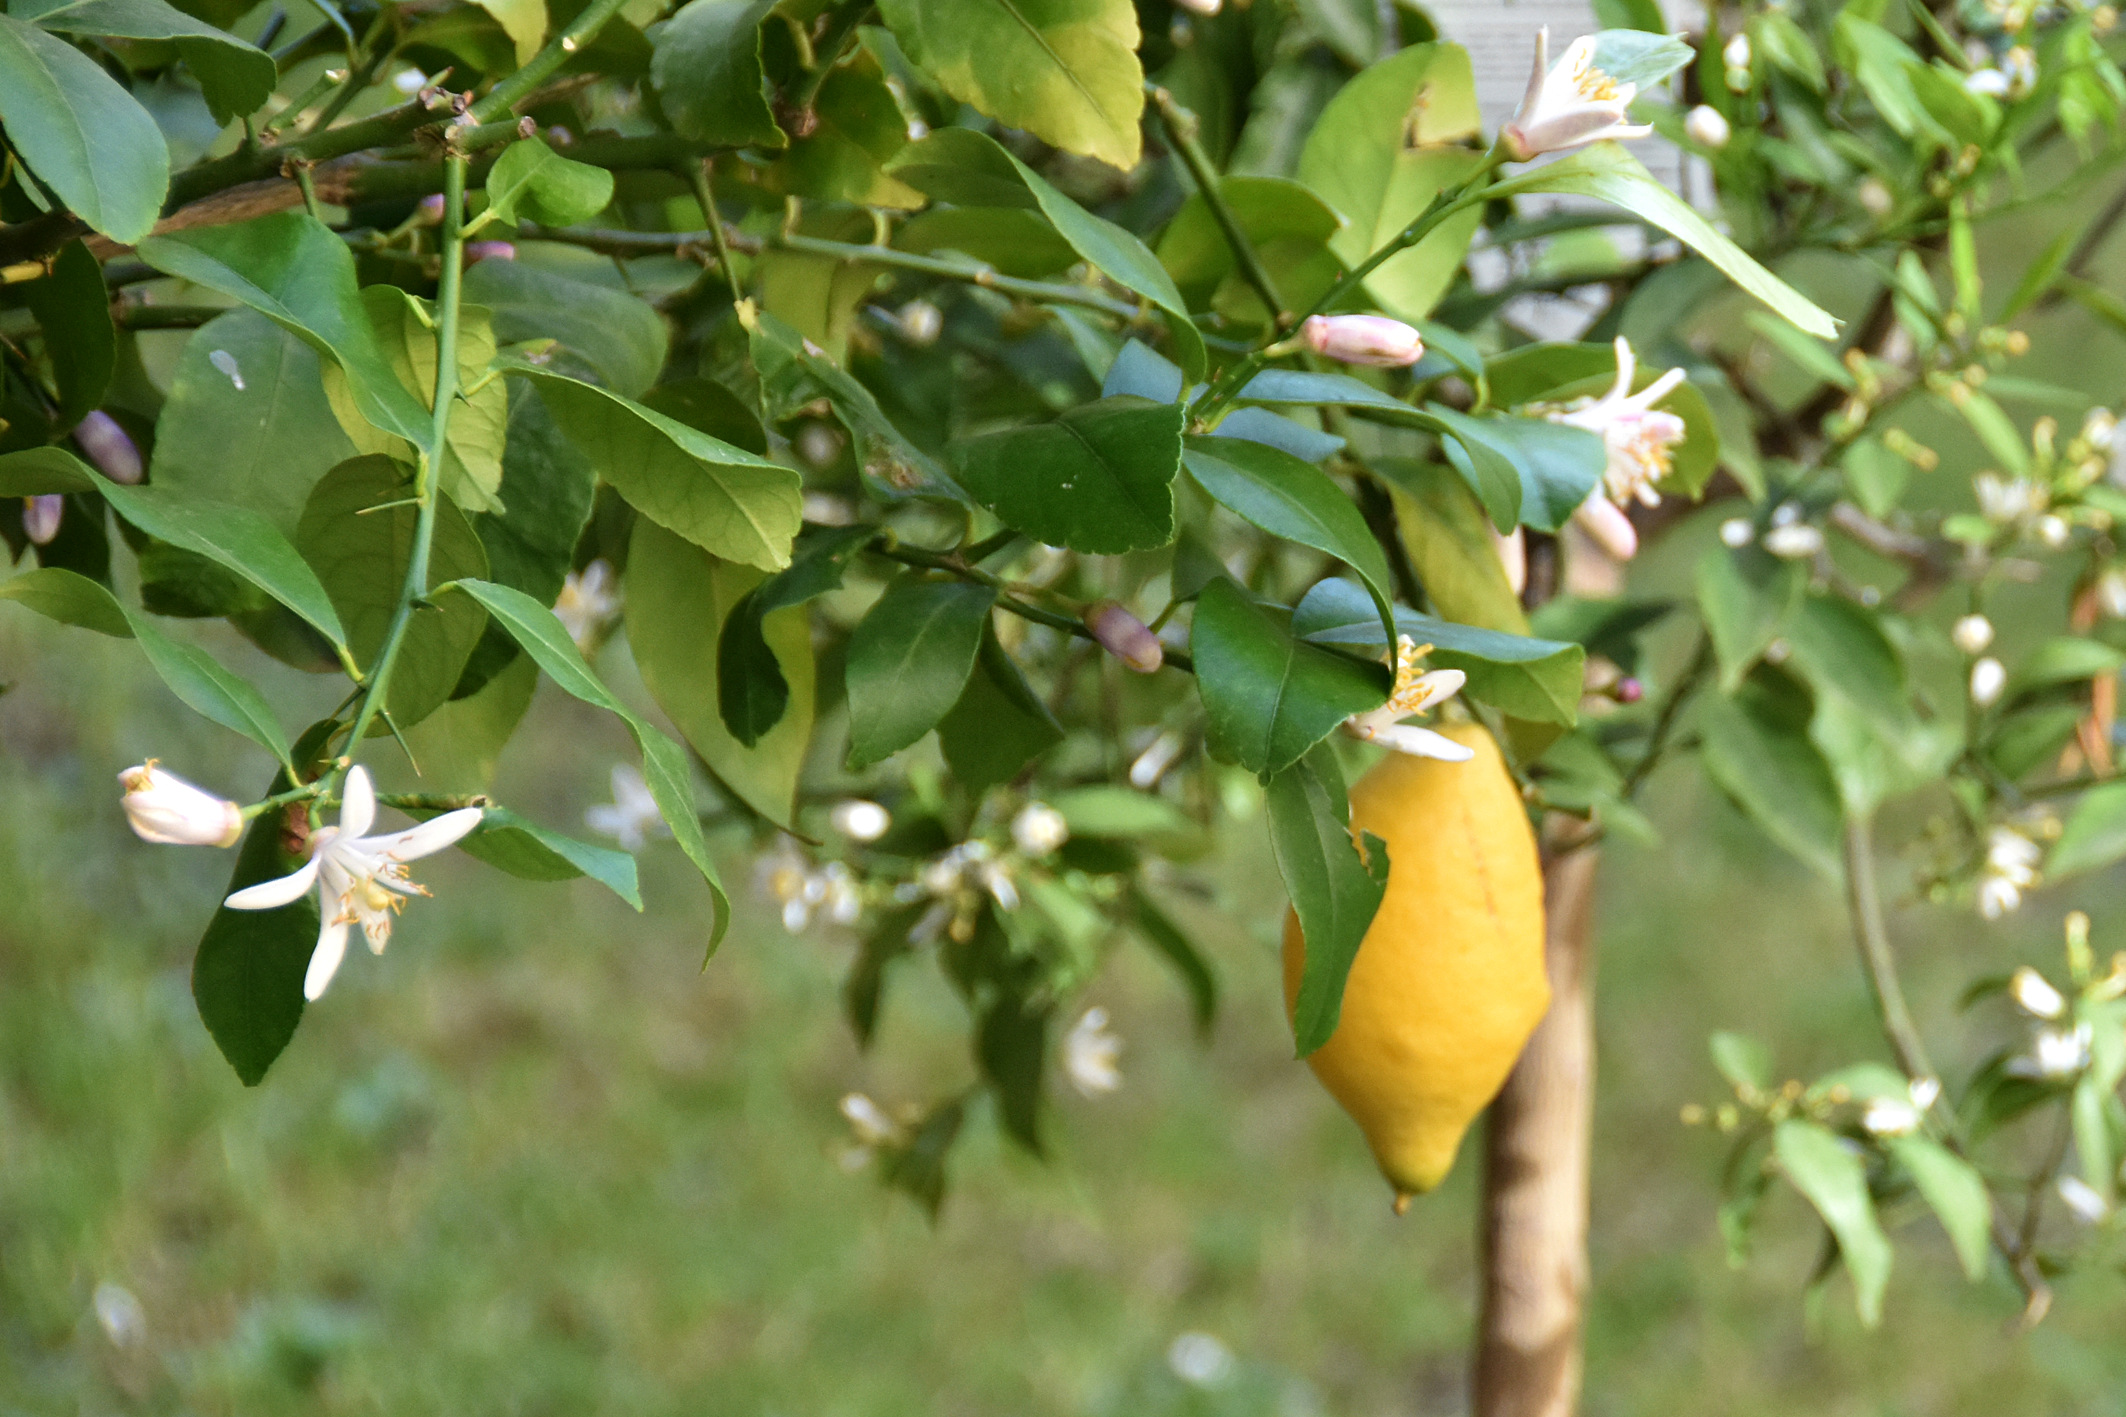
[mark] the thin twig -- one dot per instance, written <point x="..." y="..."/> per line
<point x="1181" y="129"/>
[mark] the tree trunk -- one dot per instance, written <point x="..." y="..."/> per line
<point x="1534" y="1229"/>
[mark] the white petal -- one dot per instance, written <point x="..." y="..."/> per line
<point x="357" y="803"/>
<point x="1422" y="743"/>
<point x="325" y="959"/>
<point x="427" y="838"/>
<point x="271" y="895"/>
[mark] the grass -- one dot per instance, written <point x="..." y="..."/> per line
<point x="536" y="1160"/>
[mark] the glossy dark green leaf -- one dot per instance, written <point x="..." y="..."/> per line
<point x="2095" y="833"/>
<point x="1835" y="1181"/>
<point x="1747" y="597"/>
<point x="298" y="273"/>
<point x="622" y="339"/>
<point x="524" y="849"/>
<point x="1298" y="386"/>
<point x="1259" y="425"/>
<point x="729" y="502"/>
<point x="1011" y="1046"/>
<point x="362" y="556"/>
<point x="1529" y="678"/>
<point x="708" y="73"/>
<point x="752" y="693"/>
<point x="87" y="140"/>
<point x="999" y="725"/>
<point x="909" y="661"/>
<point x="1840" y="648"/>
<point x="1766" y="762"/>
<point x="1173" y="945"/>
<point x="1098" y="479"/>
<point x="1268" y="696"/>
<point x="74" y="310"/>
<point x="857" y="126"/>
<point x="1334" y="890"/>
<point x="532" y="182"/>
<point x="247" y="978"/>
<point x="664" y="763"/>
<point x="1957" y="1194"/>
<point x="1143" y="372"/>
<point x="235" y="77"/>
<point x="968" y="168"/>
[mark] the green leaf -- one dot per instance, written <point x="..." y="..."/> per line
<point x="858" y="126"/>
<point x="1064" y="70"/>
<point x="247" y="978"/>
<point x="1631" y="55"/>
<point x="532" y="182"/>
<point x="191" y="673"/>
<point x="1536" y="679"/>
<point x="1742" y="1060"/>
<point x="1485" y="463"/>
<point x="792" y="375"/>
<point x="1449" y="543"/>
<point x="262" y="443"/>
<point x="1098" y="479"/>
<point x="1609" y="174"/>
<point x="235" y="77"/>
<point x="235" y="537"/>
<point x="1289" y="386"/>
<point x="1765" y="761"/>
<point x="1172" y="945"/>
<point x="1836" y="1182"/>
<point x="999" y="724"/>
<point x="1557" y="465"/>
<point x="967" y="168"/>
<point x="406" y="334"/>
<point x="729" y="502"/>
<point x="1288" y="498"/>
<point x="1840" y="648"/>
<point x="677" y="597"/>
<point x="362" y="556"/>
<point x="2095" y="834"/>
<point x="1109" y="811"/>
<point x="295" y="270"/>
<point x="1289" y="227"/>
<point x="1334" y="890"/>
<point x="74" y="310"/>
<point x="622" y="339"/>
<point x="530" y="852"/>
<point x="85" y="138"/>
<point x="1259" y="425"/>
<point x="909" y="661"/>
<point x="664" y="763"/>
<point x="1747" y="598"/>
<point x="1011" y="1045"/>
<point x="1267" y="696"/>
<point x="708" y="74"/>
<point x="524" y="21"/>
<point x="751" y="690"/>
<point x="1957" y="1193"/>
<point x="1386" y="145"/>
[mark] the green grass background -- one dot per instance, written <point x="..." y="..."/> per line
<point x="537" y="1161"/>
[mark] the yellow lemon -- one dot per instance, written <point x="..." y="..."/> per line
<point x="1449" y="981"/>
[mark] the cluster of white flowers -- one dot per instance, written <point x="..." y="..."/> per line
<point x="804" y="890"/>
<point x="1414" y="692"/>
<point x="2010" y="869"/>
<point x="2014" y="76"/>
<point x="1092" y="1055"/>
<point x="1901" y="1116"/>
<point x="1639" y="441"/>
<point x="632" y="817"/>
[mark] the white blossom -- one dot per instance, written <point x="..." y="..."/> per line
<point x="1039" y="829"/>
<point x="162" y="807"/>
<point x="1988" y="677"/>
<point x="2084" y="1200"/>
<point x="1200" y="1360"/>
<point x="1737" y="532"/>
<point x="2010" y="869"/>
<point x="1706" y="127"/>
<point x="632" y="817"/>
<point x="1414" y="693"/>
<point x="2055" y="1055"/>
<point x="1890" y="1117"/>
<point x="1797" y="541"/>
<point x="589" y="599"/>
<point x="1091" y="1055"/>
<point x="2005" y="499"/>
<point x="1972" y="634"/>
<point x="871" y="1131"/>
<point x="1638" y="439"/>
<point x="360" y="879"/>
<point x="2035" y="994"/>
<point x="1569" y="105"/>
<point x="1736" y="54"/>
<point x="860" y="820"/>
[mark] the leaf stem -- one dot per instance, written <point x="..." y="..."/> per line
<point x="1181" y="130"/>
<point x="701" y="177"/>
<point x="558" y="51"/>
<point x="1701" y="662"/>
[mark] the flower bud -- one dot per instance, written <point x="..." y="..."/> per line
<point x="1039" y="829"/>
<point x="860" y="820"/>
<point x="1363" y="339"/>
<point x="2052" y="529"/>
<point x="1737" y="53"/>
<point x="1608" y="527"/>
<point x="920" y="323"/>
<point x="1875" y="196"/>
<point x="1629" y="691"/>
<point x="1125" y="637"/>
<point x="1988" y="678"/>
<point x="40" y="517"/>
<point x="1796" y="541"/>
<point x="1205" y="8"/>
<point x="1707" y="128"/>
<point x="1972" y="634"/>
<point x="1737" y="532"/>
<point x="2035" y="994"/>
<point x="489" y="251"/>
<point x="163" y="807"/>
<point x="430" y="212"/>
<point x="109" y="447"/>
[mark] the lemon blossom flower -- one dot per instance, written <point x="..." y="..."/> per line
<point x="1972" y="634"/>
<point x="1039" y="829"/>
<point x="2087" y="1203"/>
<point x="588" y="599"/>
<point x="860" y="820"/>
<point x="2035" y="994"/>
<point x="632" y="816"/>
<point x="1090" y="1055"/>
<point x="2011" y="869"/>
<point x="871" y="1131"/>
<point x="2055" y="1054"/>
<point x="1706" y="127"/>
<point x="1988" y="677"/>
<point x="1638" y="439"/>
<point x="162" y="807"/>
<point x="1570" y="105"/>
<point x="1414" y="693"/>
<point x="1363" y="339"/>
<point x="360" y="879"/>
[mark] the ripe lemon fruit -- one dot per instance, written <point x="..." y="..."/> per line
<point x="1449" y="981"/>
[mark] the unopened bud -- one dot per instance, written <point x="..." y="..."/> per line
<point x="1363" y="339"/>
<point x="430" y="211"/>
<point x="1705" y="126"/>
<point x="109" y="447"/>
<point x="1988" y="678"/>
<point x="489" y="251"/>
<point x="1629" y="691"/>
<point x="1206" y="8"/>
<point x="1125" y="637"/>
<point x="2052" y="529"/>
<point x="1972" y="634"/>
<point x="1737" y="532"/>
<point x="860" y="820"/>
<point x="40" y="517"/>
<point x="1737" y="53"/>
<point x="920" y="323"/>
<point x="163" y="807"/>
<point x="1795" y="542"/>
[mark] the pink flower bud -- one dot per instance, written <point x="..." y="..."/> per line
<point x="1609" y="528"/>
<point x="1630" y="691"/>
<point x="476" y="251"/>
<point x="163" y="807"/>
<point x="1363" y="339"/>
<point x="431" y="209"/>
<point x="1125" y="637"/>
<point x="108" y="446"/>
<point x="40" y="517"/>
